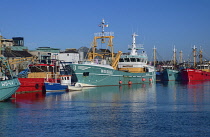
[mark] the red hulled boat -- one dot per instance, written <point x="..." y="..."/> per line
<point x="199" y="72"/>
<point x="194" y="75"/>
<point x="32" y="79"/>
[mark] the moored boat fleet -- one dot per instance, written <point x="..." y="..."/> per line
<point x="197" y="71"/>
<point x="105" y="68"/>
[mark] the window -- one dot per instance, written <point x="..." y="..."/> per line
<point x="126" y="59"/>
<point x="133" y="60"/>
<point x="85" y="73"/>
<point x="121" y="60"/>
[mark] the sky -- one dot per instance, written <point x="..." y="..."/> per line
<point x="72" y="23"/>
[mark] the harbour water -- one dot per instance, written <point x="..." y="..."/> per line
<point x="161" y="109"/>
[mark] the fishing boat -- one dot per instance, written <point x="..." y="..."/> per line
<point x="32" y="79"/>
<point x="8" y="83"/>
<point x="62" y="85"/>
<point x="59" y="82"/>
<point x="199" y="72"/>
<point x="108" y="68"/>
<point x="170" y="74"/>
<point x="55" y="85"/>
<point x="76" y="87"/>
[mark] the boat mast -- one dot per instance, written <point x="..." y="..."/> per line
<point x="1" y="44"/>
<point x="102" y="35"/>
<point x="174" y="56"/>
<point x="133" y="48"/>
<point x="154" y="50"/>
<point x="194" y="56"/>
<point x="181" y="56"/>
<point x="200" y="56"/>
<point x="102" y="25"/>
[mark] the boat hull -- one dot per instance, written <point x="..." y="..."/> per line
<point x="55" y="87"/>
<point x="194" y="75"/>
<point x="8" y="88"/>
<point x="31" y="84"/>
<point x="171" y="75"/>
<point x="90" y="75"/>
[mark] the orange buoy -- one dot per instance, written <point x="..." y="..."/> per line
<point x="129" y="82"/>
<point x="150" y="80"/>
<point x="143" y="79"/>
<point x="120" y="82"/>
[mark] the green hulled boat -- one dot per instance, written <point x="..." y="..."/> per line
<point x="108" y="68"/>
<point x="171" y="75"/>
<point x="170" y="72"/>
<point x="8" y="83"/>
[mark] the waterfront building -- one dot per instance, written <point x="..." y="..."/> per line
<point x="15" y="52"/>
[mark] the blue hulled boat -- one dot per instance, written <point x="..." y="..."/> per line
<point x="56" y="85"/>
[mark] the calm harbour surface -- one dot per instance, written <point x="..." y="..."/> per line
<point x="160" y="109"/>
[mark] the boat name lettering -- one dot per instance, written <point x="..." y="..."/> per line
<point x="6" y="83"/>
<point x="83" y="67"/>
<point x="106" y="71"/>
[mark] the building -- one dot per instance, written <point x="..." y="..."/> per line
<point x="47" y="55"/>
<point x="16" y="53"/>
<point x="69" y="55"/>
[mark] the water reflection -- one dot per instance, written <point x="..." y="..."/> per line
<point x="133" y="92"/>
<point x="165" y="109"/>
<point x="168" y="95"/>
<point x="183" y="95"/>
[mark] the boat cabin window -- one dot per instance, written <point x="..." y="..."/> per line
<point x="133" y="59"/>
<point x="85" y="73"/>
<point x="138" y="60"/>
<point x="203" y="67"/>
<point x="121" y="60"/>
<point x="126" y="59"/>
<point x="145" y="60"/>
<point x="200" y="67"/>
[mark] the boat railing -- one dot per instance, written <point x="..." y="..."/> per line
<point x="52" y="78"/>
<point x="203" y="66"/>
<point x="138" y="46"/>
<point x="100" y="34"/>
<point x="94" y="61"/>
<point x="167" y="67"/>
<point x="144" y="54"/>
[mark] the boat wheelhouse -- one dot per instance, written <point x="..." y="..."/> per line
<point x="204" y="67"/>
<point x="134" y="62"/>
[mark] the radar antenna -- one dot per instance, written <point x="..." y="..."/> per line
<point x="103" y="25"/>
